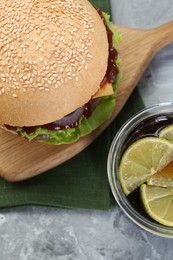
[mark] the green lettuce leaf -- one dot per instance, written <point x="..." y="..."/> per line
<point x="117" y="36"/>
<point x="86" y="125"/>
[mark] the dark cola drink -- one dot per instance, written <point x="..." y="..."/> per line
<point x="148" y="127"/>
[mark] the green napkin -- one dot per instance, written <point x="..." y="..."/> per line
<point x="104" y="4"/>
<point x="78" y="183"/>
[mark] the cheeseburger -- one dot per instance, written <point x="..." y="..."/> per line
<point x="58" y="68"/>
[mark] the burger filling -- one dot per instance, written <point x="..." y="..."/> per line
<point x="88" y="117"/>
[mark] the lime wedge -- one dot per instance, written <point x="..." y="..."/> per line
<point x="158" y="203"/>
<point x="167" y="133"/>
<point x="163" y="178"/>
<point x="142" y="159"/>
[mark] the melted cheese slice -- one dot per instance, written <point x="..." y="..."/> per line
<point x="106" y="90"/>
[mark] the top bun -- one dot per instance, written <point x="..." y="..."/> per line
<point x="53" y="56"/>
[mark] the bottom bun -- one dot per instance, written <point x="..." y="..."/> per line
<point x="7" y="130"/>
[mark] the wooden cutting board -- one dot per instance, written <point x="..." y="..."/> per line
<point x="20" y="159"/>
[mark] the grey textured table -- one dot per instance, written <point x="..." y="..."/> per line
<point x="47" y="234"/>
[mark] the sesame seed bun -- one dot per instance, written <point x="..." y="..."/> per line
<point x="53" y="56"/>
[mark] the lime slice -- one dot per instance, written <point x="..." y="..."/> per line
<point x="163" y="178"/>
<point x="142" y="159"/>
<point x="158" y="203"/>
<point x="167" y="133"/>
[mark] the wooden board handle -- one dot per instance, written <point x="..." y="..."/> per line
<point x="161" y="35"/>
<point x="146" y="42"/>
<point x="137" y="50"/>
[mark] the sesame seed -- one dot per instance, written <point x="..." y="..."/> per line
<point x="49" y="82"/>
<point x="41" y="88"/>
